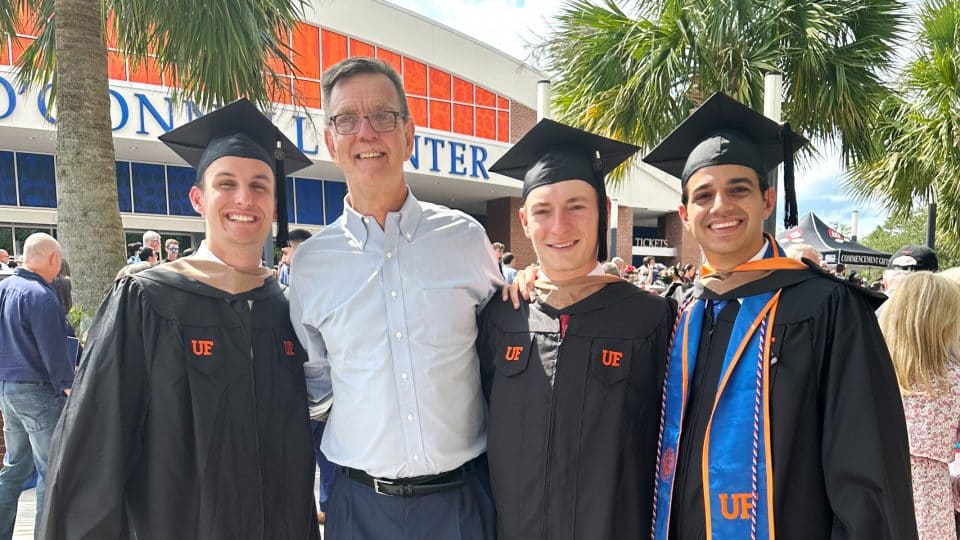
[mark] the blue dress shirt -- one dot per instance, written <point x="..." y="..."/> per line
<point x="389" y="320"/>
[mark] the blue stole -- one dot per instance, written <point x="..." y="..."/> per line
<point x="737" y="469"/>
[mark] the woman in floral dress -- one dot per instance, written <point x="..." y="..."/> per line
<point x="921" y="325"/>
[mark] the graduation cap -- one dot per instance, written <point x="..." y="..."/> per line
<point x="240" y="130"/>
<point x="723" y="131"/>
<point x="552" y="152"/>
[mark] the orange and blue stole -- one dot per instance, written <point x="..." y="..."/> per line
<point x="737" y="468"/>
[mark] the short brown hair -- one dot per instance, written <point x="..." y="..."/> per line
<point x="360" y="65"/>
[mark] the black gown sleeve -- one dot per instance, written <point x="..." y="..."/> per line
<point x="97" y="440"/>
<point x="485" y="347"/>
<point x="865" y="453"/>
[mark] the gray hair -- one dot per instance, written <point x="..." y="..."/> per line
<point x="360" y="65"/>
<point x="150" y="236"/>
<point x="39" y="245"/>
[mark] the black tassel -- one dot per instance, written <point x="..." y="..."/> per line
<point x="603" y="226"/>
<point x="281" y="190"/>
<point x="790" y="210"/>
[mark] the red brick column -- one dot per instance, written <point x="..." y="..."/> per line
<point x="688" y="250"/>
<point x="624" y="234"/>
<point x="522" y="120"/>
<point x="503" y="225"/>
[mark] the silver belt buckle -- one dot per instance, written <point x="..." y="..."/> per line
<point x="376" y="487"/>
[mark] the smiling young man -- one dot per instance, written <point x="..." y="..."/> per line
<point x="390" y="332"/>
<point x="782" y="415"/>
<point x="189" y="415"/>
<point x="573" y="379"/>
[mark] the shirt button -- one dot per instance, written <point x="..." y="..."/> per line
<point x="403" y="376"/>
<point x="393" y="294"/>
<point x="410" y="418"/>
<point x="389" y="254"/>
<point x="399" y="335"/>
<point x="366" y="220"/>
<point x="409" y="236"/>
<point x="416" y="457"/>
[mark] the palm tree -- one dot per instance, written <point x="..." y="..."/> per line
<point x="914" y="155"/>
<point x="215" y="49"/>
<point x="635" y="74"/>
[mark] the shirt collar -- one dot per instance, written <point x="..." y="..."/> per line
<point x="763" y="251"/>
<point x="203" y="253"/>
<point x="27" y="274"/>
<point x="358" y="224"/>
<point x="597" y="271"/>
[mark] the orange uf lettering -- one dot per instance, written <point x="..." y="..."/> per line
<point x="611" y="358"/>
<point x="202" y="347"/>
<point x="513" y="354"/>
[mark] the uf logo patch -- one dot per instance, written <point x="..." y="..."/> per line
<point x="202" y="347"/>
<point x="611" y="358"/>
<point x="513" y="354"/>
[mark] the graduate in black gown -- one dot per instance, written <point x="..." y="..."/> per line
<point x="573" y="380"/>
<point x="782" y="412"/>
<point x="188" y="417"/>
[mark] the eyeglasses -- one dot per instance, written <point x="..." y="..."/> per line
<point x="173" y="249"/>
<point x="381" y="122"/>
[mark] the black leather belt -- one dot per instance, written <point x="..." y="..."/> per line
<point x="411" y="487"/>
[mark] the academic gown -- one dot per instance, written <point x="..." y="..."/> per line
<point x="188" y="419"/>
<point x="572" y="429"/>
<point x="841" y="462"/>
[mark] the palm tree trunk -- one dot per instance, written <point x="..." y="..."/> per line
<point x="88" y="219"/>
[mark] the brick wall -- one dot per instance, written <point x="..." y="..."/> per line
<point x="503" y="225"/>
<point x="688" y="250"/>
<point x="522" y="120"/>
<point x="624" y="234"/>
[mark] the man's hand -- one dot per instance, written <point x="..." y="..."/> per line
<point x="66" y="391"/>
<point x="522" y="286"/>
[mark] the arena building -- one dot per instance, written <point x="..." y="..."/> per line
<point x="469" y="101"/>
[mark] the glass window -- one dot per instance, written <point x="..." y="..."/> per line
<point x="124" y="200"/>
<point x="6" y="240"/>
<point x="21" y="233"/>
<point x="8" y="181"/>
<point x="309" y="196"/>
<point x="179" y="182"/>
<point x="36" y="176"/>
<point x="334" y="192"/>
<point x="149" y="188"/>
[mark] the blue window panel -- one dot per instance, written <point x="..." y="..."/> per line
<point x="291" y="215"/>
<point x="38" y="186"/>
<point x="149" y="189"/>
<point x="309" y="201"/>
<point x="334" y="192"/>
<point x="179" y="182"/>
<point x="8" y="180"/>
<point x="125" y="203"/>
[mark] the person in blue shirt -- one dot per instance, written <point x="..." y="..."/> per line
<point x="36" y="371"/>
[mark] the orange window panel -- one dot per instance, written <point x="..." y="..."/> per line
<point x="463" y="119"/>
<point x="307" y="93"/>
<point x="281" y="93"/>
<point x="414" y="77"/>
<point x="360" y="48"/>
<point x="392" y="59"/>
<point x="486" y="123"/>
<point x="306" y="50"/>
<point x="333" y="47"/>
<point x="486" y="98"/>
<point x="503" y="103"/>
<point x="145" y="72"/>
<point x="440" y="115"/>
<point x="116" y="66"/>
<point x="19" y="45"/>
<point x="418" y="110"/>
<point x="462" y="91"/>
<point x="4" y="52"/>
<point x="27" y="22"/>
<point x="439" y="84"/>
<point x="503" y="126"/>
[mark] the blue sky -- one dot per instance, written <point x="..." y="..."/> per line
<point x="510" y="25"/>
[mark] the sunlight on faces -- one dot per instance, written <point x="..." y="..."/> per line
<point x="561" y="220"/>
<point x="236" y="200"/>
<point x="725" y="211"/>
<point x="369" y="157"/>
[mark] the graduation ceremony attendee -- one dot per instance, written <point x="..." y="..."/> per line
<point x="189" y="414"/>
<point x="782" y="412"/>
<point x="573" y="380"/>
<point x="921" y="324"/>
<point x="386" y="299"/>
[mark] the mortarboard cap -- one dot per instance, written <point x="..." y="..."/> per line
<point x="240" y="130"/>
<point x="552" y="152"/>
<point x="723" y="131"/>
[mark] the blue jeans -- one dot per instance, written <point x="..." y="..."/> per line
<point x="327" y="469"/>
<point x="30" y="413"/>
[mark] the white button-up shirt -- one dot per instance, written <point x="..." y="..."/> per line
<point x="388" y="318"/>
